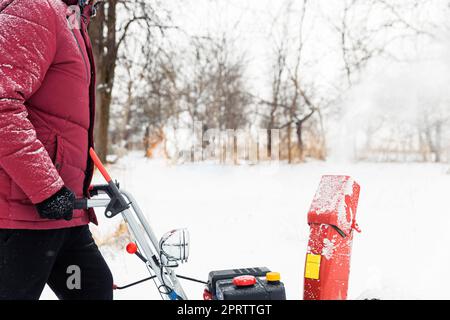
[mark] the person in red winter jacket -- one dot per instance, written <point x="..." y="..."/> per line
<point x="47" y="107"/>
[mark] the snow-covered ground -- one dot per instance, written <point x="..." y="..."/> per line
<point x="256" y="216"/>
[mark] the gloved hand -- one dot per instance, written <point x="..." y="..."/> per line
<point x="59" y="206"/>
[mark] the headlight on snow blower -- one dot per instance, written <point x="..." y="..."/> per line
<point x="174" y="247"/>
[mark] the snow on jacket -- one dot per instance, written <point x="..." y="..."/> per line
<point x="47" y="88"/>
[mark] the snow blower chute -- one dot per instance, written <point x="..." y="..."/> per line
<point x="332" y="222"/>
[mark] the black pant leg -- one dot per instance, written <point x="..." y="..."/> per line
<point x="26" y="260"/>
<point x="96" y="279"/>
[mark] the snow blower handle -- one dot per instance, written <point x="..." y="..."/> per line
<point x="117" y="202"/>
<point x="98" y="163"/>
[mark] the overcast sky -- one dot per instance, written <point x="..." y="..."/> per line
<point x="257" y="25"/>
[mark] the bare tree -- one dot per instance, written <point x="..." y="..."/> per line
<point x="363" y="38"/>
<point x="108" y="36"/>
<point x="292" y="104"/>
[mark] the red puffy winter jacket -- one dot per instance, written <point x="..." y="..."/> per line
<point x="47" y="88"/>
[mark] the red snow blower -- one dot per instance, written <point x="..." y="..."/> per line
<point x="163" y="256"/>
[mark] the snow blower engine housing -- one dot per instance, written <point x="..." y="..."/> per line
<point x="244" y="284"/>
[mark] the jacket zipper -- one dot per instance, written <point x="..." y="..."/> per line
<point x="82" y="54"/>
<point x="90" y="164"/>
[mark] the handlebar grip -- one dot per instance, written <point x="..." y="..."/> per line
<point x="80" y="204"/>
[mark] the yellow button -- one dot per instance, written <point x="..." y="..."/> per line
<point x="273" y="276"/>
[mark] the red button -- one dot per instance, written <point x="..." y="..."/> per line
<point x="132" y="248"/>
<point x="244" y="281"/>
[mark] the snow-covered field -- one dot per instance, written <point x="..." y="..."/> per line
<point x="256" y="216"/>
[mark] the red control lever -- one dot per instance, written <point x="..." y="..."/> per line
<point x="98" y="163"/>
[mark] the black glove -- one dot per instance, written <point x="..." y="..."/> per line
<point x="59" y="206"/>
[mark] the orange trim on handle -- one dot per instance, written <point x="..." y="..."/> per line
<point x="98" y="163"/>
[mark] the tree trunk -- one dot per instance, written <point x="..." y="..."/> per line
<point x="102" y="31"/>
<point x="438" y="143"/>
<point x="147" y="141"/>
<point x="126" y="131"/>
<point x="289" y="146"/>
<point x="299" y="125"/>
<point x="269" y="143"/>
<point x="102" y="124"/>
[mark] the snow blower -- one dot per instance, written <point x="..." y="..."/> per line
<point x="163" y="256"/>
<point x="327" y="268"/>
